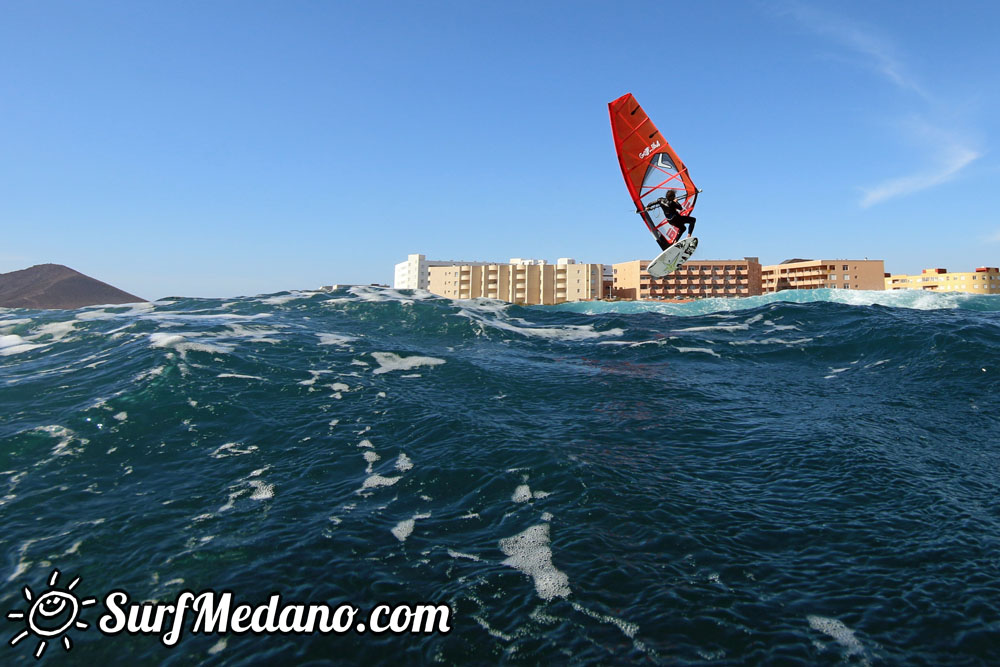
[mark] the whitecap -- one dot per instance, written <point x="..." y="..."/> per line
<point x="183" y="345"/>
<point x="838" y="631"/>
<point x="522" y="494"/>
<point x="14" y="344"/>
<point x="335" y="339"/>
<point x="703" y="350"/>
<point x="529" y="552"/>
<point x="404" y="529"/>
<point x="232" y="449"/>
<point x="389" y="362"/>
<point x="375" y="481"/>
<point x="262" y="490"/>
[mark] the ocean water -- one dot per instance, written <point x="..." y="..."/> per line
<point x="801" y="478"/>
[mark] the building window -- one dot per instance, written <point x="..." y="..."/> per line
<point x="845" y="267"/>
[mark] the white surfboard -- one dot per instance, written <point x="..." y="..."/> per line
<point x="671" y="258"/>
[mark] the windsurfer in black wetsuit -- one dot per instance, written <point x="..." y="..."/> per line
<point x="672" y="212"/>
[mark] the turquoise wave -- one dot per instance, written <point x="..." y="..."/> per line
<point x="803" y="477"/>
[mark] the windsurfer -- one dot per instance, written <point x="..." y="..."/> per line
<point x="672" y="212"/>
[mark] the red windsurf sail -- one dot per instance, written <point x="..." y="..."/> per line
<point x="650" y="166"/>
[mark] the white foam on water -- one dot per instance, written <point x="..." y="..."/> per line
<point x="358" y="362"/>
<point x="23" y="563"/>
<point x="121" y="416"/>
<point x="541" y="494"/>
<point x="403" y="463"/>
<point x="183" y="345"/>
<point x="10" y="324"/>
<point x="493" y="632"/>
<point x="772" y="341"/>
<point x="546" y="516"/>
<point x="233" y="449"/>
<point x="376" y="481"/>
<point x="176" y="318"/>
<point x="404" y="529"/>
<point x="314" y="376"/>
<point x="231" y="501"/>
<point x="717" y="327"/>
<point x="389" y="362"/>
<point x="839" y="632"/>
<point x="239" y="376"/>
<point x="569" y="332"/>
<point x="522" y="494"/>
<point x="459" y="554"/>
<point x="253" y="334"/>
<point x="365" y="443"/>
<point x="371" y="458"/>
<point x="628" y="629"/>
<point x="703" y="350"/>
<point x="411" y="375"/>
<point x="756" y="318"/>
<point x="152" y="372"/>
<point x="262" y="490"/>
<point x="218" y="646"/>
<point x="485" y="305"/>
<point x="100" y="312"/>
<point x="14" y="344"/>
<point x="285" y="298"/>
<point x="529" y="552"/>
<point x="335" y="339"/>
<point x="383" y="294"/>
<point x="65" y="436"/>
<point x="58" y="330"/>
<point x="339" y="386"/>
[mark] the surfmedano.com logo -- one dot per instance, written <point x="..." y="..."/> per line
<point x="51" y="615"/>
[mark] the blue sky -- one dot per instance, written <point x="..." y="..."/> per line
<point x="224" y="148"/>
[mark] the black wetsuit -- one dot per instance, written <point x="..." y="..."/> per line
<point x="672" y="212"/>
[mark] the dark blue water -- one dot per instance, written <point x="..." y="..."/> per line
<point x="809" y="477"/>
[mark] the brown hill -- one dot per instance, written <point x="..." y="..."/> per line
<point x="57" y="286"/>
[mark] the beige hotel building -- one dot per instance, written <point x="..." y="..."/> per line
<point x="523" y="281"/>
<point x="867" y="274"/>
<point x="695" y="279"/>
<point x="984" y="280"/>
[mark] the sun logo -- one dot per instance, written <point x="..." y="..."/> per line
<point x="51" y="614"/>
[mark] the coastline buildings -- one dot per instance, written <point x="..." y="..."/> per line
<point x="414" y="272"/>
<point x="984" y="280"/>
<point x="867" y="274"/>
<point x="523" y="281"/>
<point x="695" y="279"/>
<point x="534" y="281"/>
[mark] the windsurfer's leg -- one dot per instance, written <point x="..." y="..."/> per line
<point x="691" y="222"/>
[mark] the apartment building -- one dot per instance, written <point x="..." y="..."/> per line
<point x="523" y="281"/>
<point x="867" y="274"/>
<point x="414" y="272"/>
<point x="984" y="280"/>
<point x="695" y="279"/>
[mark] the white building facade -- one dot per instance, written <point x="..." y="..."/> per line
<point x="414" y="274"/>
